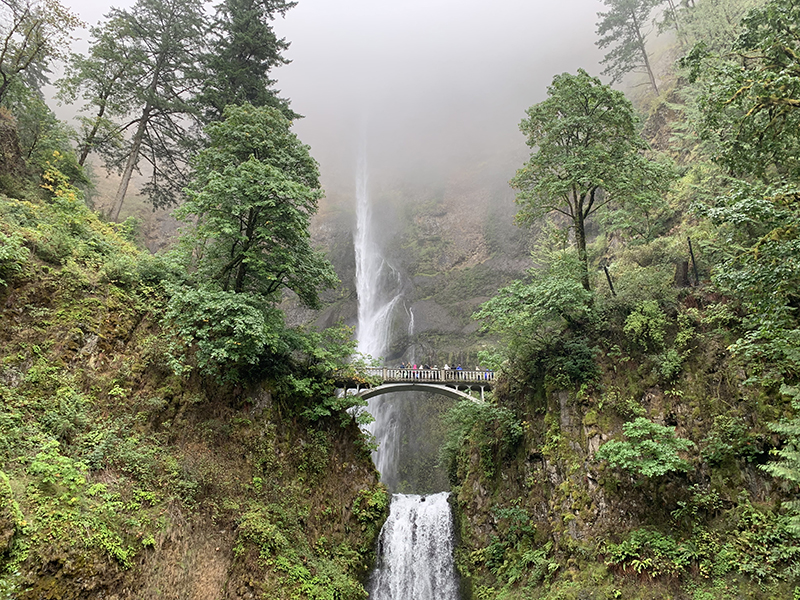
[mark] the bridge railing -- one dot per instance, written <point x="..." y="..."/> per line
<point x="392" y="374"/>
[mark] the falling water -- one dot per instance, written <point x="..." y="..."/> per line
<point x="417" y="534"/>
<point x="379" y="289"/>
<point x="416" y="543"/>
<point x="378" y="283"/>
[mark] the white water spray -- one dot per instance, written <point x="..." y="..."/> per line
<point x="378" y="283"/>
<point x="416" y="544"/>
<point x="418" y="532"/>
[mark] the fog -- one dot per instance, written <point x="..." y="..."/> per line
<point x="429" y="85"/>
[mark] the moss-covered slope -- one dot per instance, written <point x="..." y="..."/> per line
<point x="120" y="479"/>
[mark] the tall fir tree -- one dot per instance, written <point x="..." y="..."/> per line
<point x="244" y="50"/>
<point x="624" y="28"/>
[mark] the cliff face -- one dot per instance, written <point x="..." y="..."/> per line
<point x="119" y="478"/>
<point x="545" y="517"/>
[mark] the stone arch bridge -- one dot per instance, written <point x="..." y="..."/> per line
<point x="453" y="383"/>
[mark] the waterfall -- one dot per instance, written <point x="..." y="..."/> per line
<point x="379" y="289"/>
<point x="378" y="283"/>
<point x="418" y="532"/>
<point x="416" y="543"/>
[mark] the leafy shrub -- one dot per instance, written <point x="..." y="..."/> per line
<point x="650" y="552"/>
<point x="788" y="464"/>
<point x="13" y="256"/>
<point x="121" y="270"/>
<point x="646" y="325"/>
<point x="227" y="331"/>
<point x="55" y="247"/>
<point x="729" y="438"/>
<point x="571" y="361"/>
<point x="494" y="430"/>
<point x="650" y="449"/>
<point x="66" y="414"/>
<point x="152" y="269"/>
<point x="370" y="506"/>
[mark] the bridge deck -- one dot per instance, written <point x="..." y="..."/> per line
<point x="442" y="376"/>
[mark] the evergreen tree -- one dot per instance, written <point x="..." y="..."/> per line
<point x="140" y="78"/>
<point x="624" y="28"/>
<point x="105" y="80"/>
<point x="32" y="34"/>
<point x="245" y="49"/>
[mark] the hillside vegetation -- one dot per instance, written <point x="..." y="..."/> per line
<point x="143" y="454"/>
<point x="643" y="442"/>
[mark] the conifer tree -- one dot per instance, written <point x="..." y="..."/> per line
<point x="624" y="28"/>
<point x="244" y="51"/>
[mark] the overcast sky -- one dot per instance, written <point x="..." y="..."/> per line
<point x="423" y="80"/>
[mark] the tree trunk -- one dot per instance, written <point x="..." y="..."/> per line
<point x="580" y="242"/>
<point x="643" y="50"/>
<point x="86" y="147"/>
<point x="133" y="158"/>
<point x="136" y="145"/>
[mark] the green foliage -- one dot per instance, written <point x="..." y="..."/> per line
<point x="537" y="320"/>
<point x="13" y="256"/>
<point x="751" y="95"/>
<point x="34" y="34"/>
<point x="494" y="431"/>
<point x="513" y="555"/>
<point x="370" y="507"/>
<point x="714" y="24"/>
<point x="243" y="51"/>
<point x="586" y="155"/>
<point x="650" y="552"/>
<point x="649" y="450"/>
<point x="763" y="223"/>
<point x="729" y="438"/>
<point x="646" y="325"/>
<point x="42" y="136"/>
<point x="788" y="464"/>
<point x="70" y="509"/>
<point x="227" y="330"/>
<point x="251" y="203"/>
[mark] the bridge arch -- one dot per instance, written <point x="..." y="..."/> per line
<point x="389" y="388"/>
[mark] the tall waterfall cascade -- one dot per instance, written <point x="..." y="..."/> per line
<point x="416" y="544"/>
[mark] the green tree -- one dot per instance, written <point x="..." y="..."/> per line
<point x="624" y="27"/>
<point x="251" y="203"/>
<point x="33" y="33"/>
<point x="247" y="242"/>
<point x="749" y="111"/>
<point x="752" y="92"/>
<point x="716" y="23"/>
<point x="104" y="80"/>
<point x="165" y="37"/>
<point x="586" y="155"/>
<point x="749" y="114"/>
<point x="543" y="320"/>
<point x="241" y="55"/>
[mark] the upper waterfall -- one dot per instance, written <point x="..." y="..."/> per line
<point x="378" y="283"/>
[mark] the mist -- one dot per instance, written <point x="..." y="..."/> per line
<point x="430" y="86"/>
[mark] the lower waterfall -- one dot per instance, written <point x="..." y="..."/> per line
<point x="415" y="553"/>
